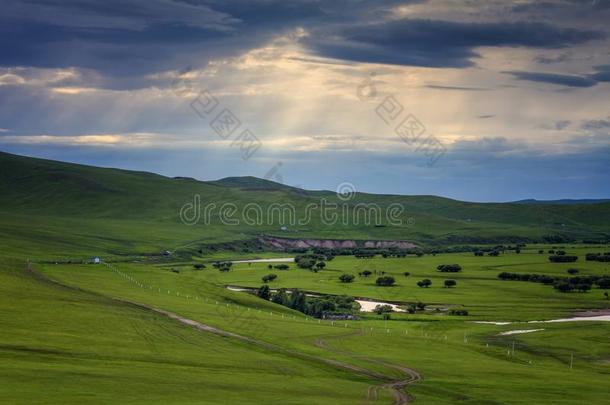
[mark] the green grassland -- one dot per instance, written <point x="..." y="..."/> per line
<point x="73" y="332"/>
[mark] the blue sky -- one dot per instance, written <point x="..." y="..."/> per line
<point x="509" y="99"/>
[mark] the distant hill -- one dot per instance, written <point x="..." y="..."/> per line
<point x="563" y="201"/>
<point x="57" y="203"/>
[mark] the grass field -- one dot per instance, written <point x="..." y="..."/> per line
<point x="74" y="332"/>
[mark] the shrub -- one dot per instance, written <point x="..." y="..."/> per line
<point x="346" y="278"/>
<point x="385" y="281"/>
<point x="269" y="277"/>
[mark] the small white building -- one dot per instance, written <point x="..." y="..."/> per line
<point x="96" y="260"/>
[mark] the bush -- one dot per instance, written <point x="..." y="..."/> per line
<point x="281" y="267"/>
<point x="199" y="266"/>
<point x="563" y="259"/>
<point x="346" y="278"/>
<point x="269" y="277"/>
<point x="406" y="274"/>
<point x="385" y="281"/>
<point x="449" y="268"/>
<point x="450" y="283"/>
<point x="572" y="271"/>
<point x="425" y="283"/>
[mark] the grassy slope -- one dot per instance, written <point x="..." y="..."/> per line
<point x="112" y="208"/>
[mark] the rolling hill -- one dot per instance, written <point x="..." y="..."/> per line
<point x="137" y="212"/>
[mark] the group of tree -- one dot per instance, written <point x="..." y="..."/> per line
<point x="449" y="268"/>
<point x="418" y="306"/>
<point x="598" y="257"/>
<point x="223" y="266"/>
<point x="563" y="258"/>
<point x="314" y="262"/>
<point x="313" y="306"/>
<point x="560" y="283"/>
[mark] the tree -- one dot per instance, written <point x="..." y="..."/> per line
<point x="320" y="265"/>
<point x="385" y="281"/>
<point x="280" y="297"/>
<point x="425" y="283"/>
<point x="269" y="277"/>
<point x="420" y="305"/>
<point x="346" y="278"/>
<point x="450" y="283"/>
<point x="382" y="309"/>
<point x="406" y="274"/>
<point x="366" y="273"/>
<point x="572" y="271"/>
<point x="603" y="282"/>
<point x="281" y="266"/>
<point x="199" y="266"/>
<point x="583" y="287"/>
<point x="264" y="292"/>
<point x="563" y="287"/>
<point x="269" y="266"/>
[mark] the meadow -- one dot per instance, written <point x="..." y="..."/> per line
<point x="458" y="360"/>
<point x="72" y="331"/>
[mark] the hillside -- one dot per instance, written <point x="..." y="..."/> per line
<point x="127" y="211"/>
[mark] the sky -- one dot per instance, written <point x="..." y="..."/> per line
<point x="475" y="100"/>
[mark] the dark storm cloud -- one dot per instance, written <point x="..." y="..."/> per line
<point x="435" y="43"/>
<point x="602" y="74"/>
<point x="555" y="78"/>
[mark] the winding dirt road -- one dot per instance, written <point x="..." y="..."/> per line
<point x="388" y="382"/>
<point x="396" y="385"/>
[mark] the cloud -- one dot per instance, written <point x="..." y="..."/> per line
<point x="460" y="88"/>
<point x="594" y="125"/>
<point x="437" y="43"/>
<point x="555" y="78"/>
<point x="601" y="74"/>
